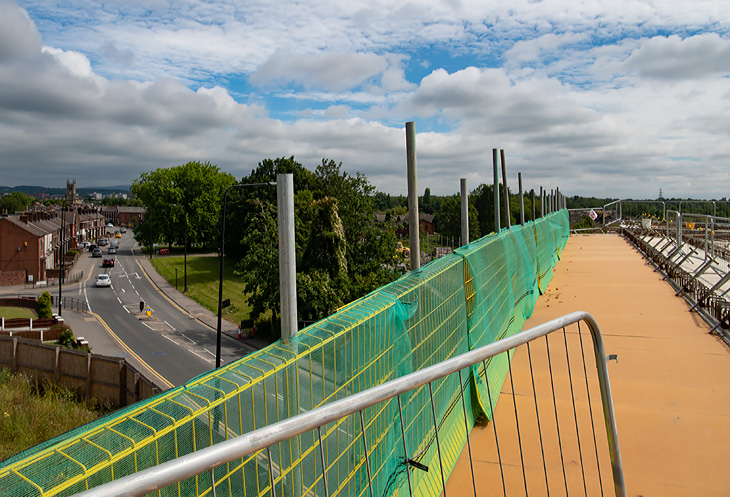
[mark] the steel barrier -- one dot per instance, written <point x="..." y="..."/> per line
<point x="359" y="407"/>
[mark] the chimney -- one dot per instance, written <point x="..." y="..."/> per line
<point x="24" y="219"/>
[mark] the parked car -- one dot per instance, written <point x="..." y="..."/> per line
<point x="103" y="241"/>
<point x="110" y="225"/>
<point x="123" y="230"/>
<point x="92" y="247"/>
<point x="83" y="245"/>
<point x="103" y="280"/>
<point x="112" y="250"/>
<point x="118" y="235"/>
<point x="96" y="252"/>
<point x="107" y="263"/>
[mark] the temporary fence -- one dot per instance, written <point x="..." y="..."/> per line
<point x="480" y="293"/>
<point x="589" y="463"/>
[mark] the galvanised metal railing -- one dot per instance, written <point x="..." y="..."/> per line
<point x="692" y="254"/>
<point x="260" y="441"/>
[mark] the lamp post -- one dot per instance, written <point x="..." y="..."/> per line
<point x="220" y="275"/>
<point x="185" y="255"/>
<point x="185" y="249"/>
<point x="63" y="258"/>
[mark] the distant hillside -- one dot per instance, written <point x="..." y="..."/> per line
<point x="37" y="190"/>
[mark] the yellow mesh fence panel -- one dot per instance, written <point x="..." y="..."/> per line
<point x="479" y="294"/>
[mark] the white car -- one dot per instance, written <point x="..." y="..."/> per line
<point x="103" y="280"/>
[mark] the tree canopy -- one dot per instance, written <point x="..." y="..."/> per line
<point x="341" y="254"/>
<point x="182" y="201"/>
<point x="15" y="202"/>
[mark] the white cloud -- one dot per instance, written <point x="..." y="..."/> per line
<point x="19" y="37"/>
<point x="128" y="87"/>
<point x="327" y="71"/>
<point x="676" y="58"/>
<point x="536" y="49"/>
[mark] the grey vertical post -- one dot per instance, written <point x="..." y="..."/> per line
<point x="679" y="229"/>
<point x="522" y="199"/>
<point x="532" y="202"/>
<point x="464" y="213"/>
<point x="495" y="191"/>
<point x="542" y="203"/>
<point x="552" y="201"/>
<point x="557" y="200"/>
<point x="507" y="217"/>
<point x="287" y="255"/>
<point x="413" y="226"/>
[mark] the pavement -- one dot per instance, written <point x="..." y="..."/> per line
<point x="94" y="330"/>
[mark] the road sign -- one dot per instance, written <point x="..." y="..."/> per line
<point x="226" y="303"/>
<point x="149" y="312"/>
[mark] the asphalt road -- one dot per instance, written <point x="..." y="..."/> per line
<point x="170" y="342"/>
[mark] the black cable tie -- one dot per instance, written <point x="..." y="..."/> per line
<point x="418" y="465"/>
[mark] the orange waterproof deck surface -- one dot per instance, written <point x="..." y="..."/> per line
<point x="671" y="387"/>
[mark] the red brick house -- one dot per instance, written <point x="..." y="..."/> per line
<point x="425" y="222"/>
<point x="26" y="249"/>
<point x="31" y="242"/>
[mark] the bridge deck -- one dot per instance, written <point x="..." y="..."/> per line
<point x="670" y="385"/>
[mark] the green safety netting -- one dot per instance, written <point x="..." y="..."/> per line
<point x="479" y="294"/>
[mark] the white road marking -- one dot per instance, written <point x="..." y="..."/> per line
<point x="120" y="300"/>
<point x="150" y="327"/>
<point x="208" y="351"/>
<point x="135" y="291"/>
<point x="171" y="326"/>
<point x="185" y="336"/>
<point x="173" y="341"/>
<point x="206" y="360"/>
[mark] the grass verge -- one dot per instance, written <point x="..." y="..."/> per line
<point x="203" y="274"/>
<point x="33" y="411"/>
<point x="17" y="312"/>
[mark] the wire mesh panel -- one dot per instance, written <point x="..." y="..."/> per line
<point x="461" y="301"/>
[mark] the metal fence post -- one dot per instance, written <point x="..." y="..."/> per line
<point x="464" y="213"/>
<point x="287" y="255"/>
<point x="507" y="215"/>
<point x="495" y="191"/>
<point x="413" y="222"/>
<point x="522" y="199"/>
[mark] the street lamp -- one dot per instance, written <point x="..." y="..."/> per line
<point x="220" y="276"/>
<point x="185" y="249"/>
<point x="63" y="258"/>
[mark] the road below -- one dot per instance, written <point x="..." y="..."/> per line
<point x="171" y="342"/>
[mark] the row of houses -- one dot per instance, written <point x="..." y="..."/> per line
<point x="33" y="243"/>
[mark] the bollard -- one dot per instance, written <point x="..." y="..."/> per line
<point x="141" y="305"/>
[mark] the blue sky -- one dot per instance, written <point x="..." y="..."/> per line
<point x="604" y="98"/>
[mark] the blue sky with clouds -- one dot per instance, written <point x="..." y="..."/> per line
<point x="606" y="98"/>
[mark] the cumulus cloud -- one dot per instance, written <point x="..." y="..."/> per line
<point x="129" y="87"/>
<point x="326" y="71"/>
<point x="676" y="58"/>
<point x="19" y="37"/>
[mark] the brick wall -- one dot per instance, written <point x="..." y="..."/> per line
<point x="12" y="277"/>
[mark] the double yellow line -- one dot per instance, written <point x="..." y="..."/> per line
<point x="161" y="379"/>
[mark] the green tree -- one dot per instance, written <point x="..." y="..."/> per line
<point x="44" y="306"/>
<point x="15" y="202"/>
<point x="448" y="219"/>
<point x="182" y="202"/>
<point x="341" y="254"/>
